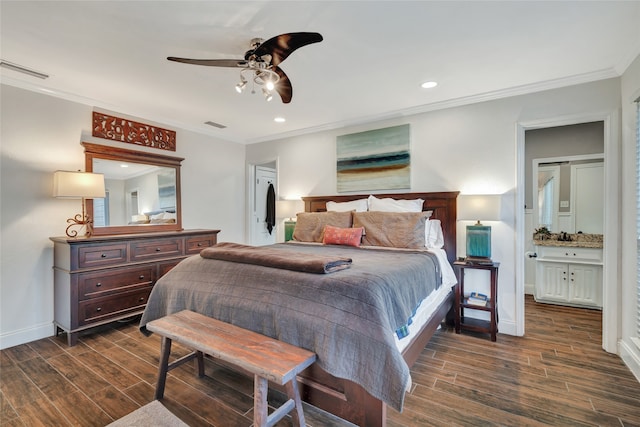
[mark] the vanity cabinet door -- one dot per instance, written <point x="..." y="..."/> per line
<point x="553" y="283"/>
<point x="585" y="284"/>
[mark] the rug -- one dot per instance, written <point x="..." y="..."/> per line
<point x="152" y="414"/>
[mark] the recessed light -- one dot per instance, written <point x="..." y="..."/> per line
<point x="279" y="120"/>
<point x="429" y="85"/>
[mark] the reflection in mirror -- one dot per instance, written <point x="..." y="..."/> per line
<point x="570" y="194"/>
<point x="142" y="191"/>
<point x="136" y="194"/>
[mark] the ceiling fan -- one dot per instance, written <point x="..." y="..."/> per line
<point x="260" y="63"/>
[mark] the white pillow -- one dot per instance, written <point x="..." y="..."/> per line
<point x="157" y="216"/>
<point x="360" y="205"/>
<point x="392" y="205"/>
<point x="433" y="236"/>
<point x="170" y="215"/>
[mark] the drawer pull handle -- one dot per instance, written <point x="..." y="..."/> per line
<point x="199" y="244"/>
<point x="141" y="299"/>
<point x="141" y="277"/>
<point x="98" y="284"/>
<point x="158" y="249"/>
<point x="103" y="255"/>
<point x="99" y="309"/>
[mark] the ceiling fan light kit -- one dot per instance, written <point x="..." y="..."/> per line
<point x="260" y="63"/>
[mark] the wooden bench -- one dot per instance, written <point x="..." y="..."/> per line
<point x="267" y="358"/>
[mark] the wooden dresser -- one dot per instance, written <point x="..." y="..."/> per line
<point x="99" y="280"/>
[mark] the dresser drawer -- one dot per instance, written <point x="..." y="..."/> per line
<point x="153" y="249"/>
<point x="100" y="283"/>
<point x="195" y="244"/>
<point x="97" y="309"/>
<point x="102" y="255"/>
<point x="164" y="267"/>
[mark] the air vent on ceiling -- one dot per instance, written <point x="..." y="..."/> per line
<point x="21" y="69"/>
<point x="215" y="125"/>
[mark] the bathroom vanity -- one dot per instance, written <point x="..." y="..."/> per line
<point x="569" y="270"/>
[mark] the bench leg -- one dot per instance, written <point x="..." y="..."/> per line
<point x="163" y="367"/>
<point x="260" y="409"/>
<point x="200" y="357"/>
<point x="294" y="394"/>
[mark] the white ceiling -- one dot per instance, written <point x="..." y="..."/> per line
<point x="374" y="56"/>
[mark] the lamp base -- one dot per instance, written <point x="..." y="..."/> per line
<point x="289" y="226"/>
<point x="479" y="242"/>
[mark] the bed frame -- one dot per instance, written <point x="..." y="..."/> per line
<point x="344" y="398"/>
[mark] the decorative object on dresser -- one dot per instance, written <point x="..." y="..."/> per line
<point x="289" y="209"/>
<point x="99" y="280"/>
<point x="78" y="185"/>
<point x="465" y="301"/>
<point x="479" y="207"/>
<point x="125" y="130"/>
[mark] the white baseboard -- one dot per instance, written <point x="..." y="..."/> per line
<point x="23" y="336"/>
<point x="507" y="327"/>
<point x="630" y="355"/>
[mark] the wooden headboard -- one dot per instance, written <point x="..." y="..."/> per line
<point x="443" y="205"/>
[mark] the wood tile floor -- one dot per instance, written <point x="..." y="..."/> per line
<point x="556" y="375"/>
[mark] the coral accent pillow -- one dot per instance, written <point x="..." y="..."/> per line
<point x="342" y="236"/>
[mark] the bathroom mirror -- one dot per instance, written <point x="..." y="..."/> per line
<point x="569" y="192"/>
<point x="142" y="191"/>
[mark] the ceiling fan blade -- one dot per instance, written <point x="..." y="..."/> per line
<point x="284" y="88"/>
<point x="234" y="63"/>
<point x="280" y="47"/>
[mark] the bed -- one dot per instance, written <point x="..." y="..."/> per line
<point x="189" y="285"/>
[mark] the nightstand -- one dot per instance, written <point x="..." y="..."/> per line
<point x="461" y="304"/>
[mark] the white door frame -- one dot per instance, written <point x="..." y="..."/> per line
<point x="611" y="285"/>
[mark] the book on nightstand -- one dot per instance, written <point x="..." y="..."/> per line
<point x="476" y="298"/>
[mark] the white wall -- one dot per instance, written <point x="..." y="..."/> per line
<point x="470" y="148"/>
<point x="630" y="87"/>
<point x="41" y="134"/>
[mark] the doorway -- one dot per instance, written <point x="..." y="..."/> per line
<point x="262" y="179"/>
<point x="609" y="123"/>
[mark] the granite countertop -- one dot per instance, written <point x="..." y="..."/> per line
<point x="577" y="240"/>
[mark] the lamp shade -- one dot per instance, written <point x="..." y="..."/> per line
<point x="484" y="207"/>
<point x="288" y="208"/>
<point x="78" y="185"/>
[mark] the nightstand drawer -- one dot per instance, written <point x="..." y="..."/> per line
<point x="101" y="283"/>
<point x="196" y="244"/>
<point x="102" y="255"/>
<point x="153" y="249"/>
<point x="95" y="310"/>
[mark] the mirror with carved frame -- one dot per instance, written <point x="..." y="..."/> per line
<point x="143" y="191"/>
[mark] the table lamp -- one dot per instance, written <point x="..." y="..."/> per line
<point x="78" y="185"/>
<point x="478" y="208"/>
<point x="288" y="209"/>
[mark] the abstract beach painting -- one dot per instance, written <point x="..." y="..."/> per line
<point x="378" y="159"/>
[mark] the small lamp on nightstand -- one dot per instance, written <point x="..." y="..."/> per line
<point x="484" y="207"/>
<point x="288" y="209"/>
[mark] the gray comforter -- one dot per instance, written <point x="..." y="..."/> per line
<point x="347" y="317"/>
